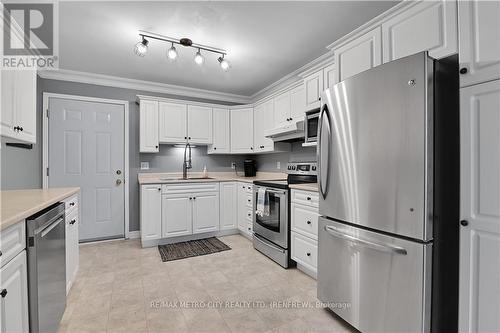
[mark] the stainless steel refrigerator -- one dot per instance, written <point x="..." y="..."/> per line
<point x="377" y="162"/>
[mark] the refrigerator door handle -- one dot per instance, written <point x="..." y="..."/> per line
<point x="384" y="247"/>
<point x="323" y="115"/>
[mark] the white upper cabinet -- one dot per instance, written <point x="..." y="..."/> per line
<point x="427" y="26"/>
<point x="18" y="112"/>
<point x="220" y="132"/>
<point x="358" y="55"/>
<point x="297" y="103"/>
<point x="479" y="35"/>
<point x="480" y="208"/>
<point x="313" y="85"/>
<point x="173" y="122"/>
<point x="329" y="78"/>
<point x="263" y="121"/>
<point x="282" y="108"/>
<point x="148" y="131"/>
<point x="199" y="124"/>
<point x="242" y="130"/>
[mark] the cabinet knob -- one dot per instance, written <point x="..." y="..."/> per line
<point x="308" y="198"/>
<point x="185" y="137"/>
<point x="190" y="198"/>
<point x="251" y="148"/>
<point x="71" y="203"/>
<point x="21" y="129"/>
<point x="464" y="223"/>
<point x="1" y="253"/>
<point x="308" y="254"/>
<point x="215" y="148"/>
<point x="156" y="147"/>
<point x="189" y="138"/>
<point x="16" y="128"/>
<point x="463" y="70"/>
<point x="72" y="221"/>
<point x="308" y="222"/>
<point x="194" y="198"/>
<point x="3" y="293"/>
<point x="291" y="119"/>
<point x="159" y="188"/>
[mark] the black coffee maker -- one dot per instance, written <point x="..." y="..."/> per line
<point x="250" y="168"/>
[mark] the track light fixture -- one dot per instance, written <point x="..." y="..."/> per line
<point x="141" y="48"/>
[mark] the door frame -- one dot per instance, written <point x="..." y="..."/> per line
<point x="45" y="142"/>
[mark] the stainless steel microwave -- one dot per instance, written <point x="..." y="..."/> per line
<point x="311" y="126"/>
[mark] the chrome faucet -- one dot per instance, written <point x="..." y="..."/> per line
<point x="187" y="164"/>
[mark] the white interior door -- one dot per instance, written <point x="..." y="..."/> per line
<point x="86" y="149"/>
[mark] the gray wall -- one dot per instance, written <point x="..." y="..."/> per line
<point x="21" y="168"/>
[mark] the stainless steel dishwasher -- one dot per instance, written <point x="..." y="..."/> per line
<point x="46" y="240"/>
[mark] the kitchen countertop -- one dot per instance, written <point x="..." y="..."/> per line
<point x="16" y="205"/>
<point x="168" y="178"/>
<point x="305" y="187"/>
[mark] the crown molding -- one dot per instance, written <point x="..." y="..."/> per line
<point x="163" y="88"/>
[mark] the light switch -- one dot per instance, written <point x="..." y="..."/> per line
<point x="144" y="165"/>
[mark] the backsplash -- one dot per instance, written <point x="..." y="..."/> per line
<point x="268" y="162"/>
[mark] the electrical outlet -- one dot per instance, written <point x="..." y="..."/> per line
<point x="233" y="165"/>
<point x="278" y="165"/>
<point x="144" y="165"/>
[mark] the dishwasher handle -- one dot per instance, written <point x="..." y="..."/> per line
<point x="51" y="226"/>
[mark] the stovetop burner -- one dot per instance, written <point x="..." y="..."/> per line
<point x="298" y="173"/>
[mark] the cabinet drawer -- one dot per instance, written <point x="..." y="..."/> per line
<point x="71" y="203"/>
<point x="249" y="215"/>
<point x="248" y="187"/>
<point x="305" y="251"/>
<point x="305" y="220"/>
<point x="12" y="241"/>
<point x="189" y="188"/>
<point x="72" y="217"/>
<point x="305" y="198"/>
<point x="249" y="200"/>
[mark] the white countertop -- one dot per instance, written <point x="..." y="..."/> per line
<point x="16" y="205"/>
<point x="168" y="178"/>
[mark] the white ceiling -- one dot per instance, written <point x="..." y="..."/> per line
<point x="265" y="40"/>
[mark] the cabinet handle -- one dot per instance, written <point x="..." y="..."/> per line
<point x="308" y="198"/>
<point x="1" y="253"/>
<point x="3" y="293"/>
<point x="308" y="222"/>
<point x="308" y="254"/>
<point x="72" y="204"/>
<point x="21" y="129"/>
<point x="72" y="221"/>
<point x="463" y="70"/>
<point x="464" y="223"/>
<point x="16" y="128"/>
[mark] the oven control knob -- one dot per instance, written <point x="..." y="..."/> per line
<point x="313" y="168"/>
<point x="293" y="168"/>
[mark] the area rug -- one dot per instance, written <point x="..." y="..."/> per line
<point x="194" y="248"/>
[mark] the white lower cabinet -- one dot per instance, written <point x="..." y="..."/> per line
<point x="72" y="217"/>
<point x="228" y="210"/>
<point x="176" y="215"/>
<point x="151" y="212"/>
<point x="245" y="208"/>
<point x="205" y="212"/>
<point x="14" y="294"/>
<point x="304" y="230"/>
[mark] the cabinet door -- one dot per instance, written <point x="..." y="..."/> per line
<point x="313" y="85"/>
<point x="228" y="210"/>
<point x="7" y="112"/>
<point x="242" y="209"/>
<point x="205" y="212"/>
<point x="263" y="121"/>
<point x="151" y="212"/>
<point x="173" y="122"/>
<point x="25" y="105"/>
<point x="148" y="131"/>
<point x="220" y="132"/>
<point x="479" y="46"/>
<point x="329" y="78"/>
<point x="72" y="251"/>
<point x="282" y="109"/>
<point x="176" y="217"/>
<point x="358" y="55"/>
<point x="199" y="124"/>
<point x="480" y="206"/>
<point x="242" y="130"/>
<point x="297" y="103"/>
<point x="427" y="26"/>
<point x="14" y="305"/>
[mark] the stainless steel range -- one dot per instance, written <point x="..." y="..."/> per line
<point x="272" y="229"/>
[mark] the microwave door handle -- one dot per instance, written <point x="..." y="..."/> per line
<point x="323" y="116"/>
<point x="384" y="247"/>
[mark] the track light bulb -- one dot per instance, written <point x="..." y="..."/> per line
<point x="198" y="58"/>
<point x="224" y="64"/>
<point x="141" y="48"/>
<point x="172" y="53"/>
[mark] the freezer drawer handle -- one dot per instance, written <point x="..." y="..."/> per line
<point x="376" y="246"/>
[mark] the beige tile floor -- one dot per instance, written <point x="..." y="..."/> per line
<point x="121" y="287"/>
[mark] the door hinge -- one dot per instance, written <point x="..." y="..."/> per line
<point x="47" y="172"/>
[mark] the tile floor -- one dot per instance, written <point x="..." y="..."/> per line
<point x="123" y="288"/>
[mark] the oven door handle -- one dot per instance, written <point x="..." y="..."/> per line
<point x="52" y="226"/>
<point x="271" y="191"/>
<point x="384" y="247"/>
<point x="267" y="243"/>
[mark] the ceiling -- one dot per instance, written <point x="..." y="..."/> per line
<point x="265" y="40"/>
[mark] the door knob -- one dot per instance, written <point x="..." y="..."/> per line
<point x="464" y="223"/>
<point x="118" y="181"/>
<point x="3" y="293"/>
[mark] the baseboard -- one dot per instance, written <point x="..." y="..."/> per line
<point x="163" y="241"/>
<point x="307" y="271"/>
<point x="134" y="234"/>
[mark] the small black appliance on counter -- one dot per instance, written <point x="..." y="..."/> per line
<point x="250" y="168"/>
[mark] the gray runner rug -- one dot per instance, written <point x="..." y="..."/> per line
<point x="198" y="247"/>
